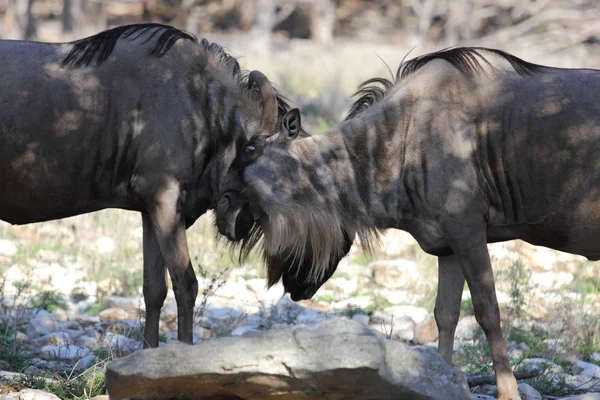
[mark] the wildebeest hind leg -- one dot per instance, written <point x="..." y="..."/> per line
<point x="447" y="303"/>
<point x="155" y="285"/>
<point x="477" y="269"/>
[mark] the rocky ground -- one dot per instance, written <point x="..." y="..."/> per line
<point x="550" y="314"/>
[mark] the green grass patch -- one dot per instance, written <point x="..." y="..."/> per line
<point x="49" y="301"/>
<point x="466" y="307"/>
<point x="80" y="387"/>
<point x="362" y="259"/>
<point x="11" y="349"/>
<point x="94" y="309"/>
<point x="326" y="298"/>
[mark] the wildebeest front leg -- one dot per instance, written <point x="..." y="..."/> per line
<point x="155" y="285"/>
<point x="447" y="303"/>
<point x="169" y="226"/>
<point x="477" y="269"/>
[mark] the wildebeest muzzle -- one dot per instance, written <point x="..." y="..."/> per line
<point x="234" y="217"/>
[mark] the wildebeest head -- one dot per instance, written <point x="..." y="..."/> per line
<point x="234" y="218"/>
<point x="268" y="191"/>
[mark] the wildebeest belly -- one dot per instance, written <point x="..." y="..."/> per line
<point x="46" y="179"/>
<point x="561" y="231"/>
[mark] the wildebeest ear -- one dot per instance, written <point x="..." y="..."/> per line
<point x="291" y="125"/>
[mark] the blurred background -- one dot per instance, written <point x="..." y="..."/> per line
<point x="317" y="52"/>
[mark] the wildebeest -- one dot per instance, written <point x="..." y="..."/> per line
<point x="467" y="146"/>
<point x="140" y="117"/>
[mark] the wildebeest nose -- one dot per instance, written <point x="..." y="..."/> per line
<point x="234" y="218"/>
<point x="221" y="211"/>
<point x="222" y="205"/>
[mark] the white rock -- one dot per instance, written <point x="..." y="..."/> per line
<point x="396" y="242"/>
<point x="394" y="274"/>
<point x="556" y="345"/>
<point x="86" y="319"/>
<point x="352" y="269"/>
<point x="52" y="352"/>
<point x="586" y="396"/>
<point x="137" y="232"/>
<point x="258" y="286"/>
<point x="417" y="314"/>
<point x="169" y="311"/>
<point x="384" y="330"/>
<point x="203" y="333"/>
<point x="105" y="245"/>
<point x="85" y="362"/>
<point x="54" y="338"/>
<point x="11" y="376"/>
<point x="89" y="342"/>
<point x="255" y="321"/>
<point x="403" y="329"/>
<point x="551" y="280"/>
<point x="467" y="328"/>
<point x="42" y="324"/>
<point x="310" y="317"/>
<point x="395" y="297"/>
<point x="361" y="318"/>
<point x="583" y="368"/>
<point x="124" y="303"/>
<point x="236" y="290"/>
<point x="427" y="331"/>
<point x="60" y="315"/>
<point x="515" y="353"/>
<point x="315" y="355"/>
<point x="171" y="337"/>
<point x="35" y="394"/>
<point x="120" y="343"/>
<point x="13" y="275"/>
<point x="581" y="382"/>
<point x="73" y="328"/>
<point x="528" y="393"/>
<point x="7" y="248"/>
<point x="351" y="303"/>
<point x="595" y="356"/>
<point x="113" y="314"/>
<point x="341" y="285"/>
<point x="244" y="330"/>
<point x="543" y="365"/>
<point x="543" y="258"/>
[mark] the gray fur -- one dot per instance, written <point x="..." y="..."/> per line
<point x="132" y="118"/>
<point x="468" y="148"/>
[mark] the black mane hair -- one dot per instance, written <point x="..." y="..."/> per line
<point x="101" y="45"/>
<point x="467" y="60"/>
<point x="98" y="48"/>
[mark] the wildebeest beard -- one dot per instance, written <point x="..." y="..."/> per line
<point x="294" y="274"/>
<point x="296" y="277"/>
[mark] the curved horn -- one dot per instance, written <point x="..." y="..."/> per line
<point x="269" y="117"/>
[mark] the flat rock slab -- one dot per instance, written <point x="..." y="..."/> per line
<point x="336" y="359"/>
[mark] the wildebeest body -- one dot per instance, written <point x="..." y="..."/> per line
<point x="72" y="139"/>
<point x="140" y="117"/>
<point x="468" y="146"/>
<point x="521" y="151"/>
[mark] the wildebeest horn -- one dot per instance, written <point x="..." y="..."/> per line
<point x="269" y="117"/>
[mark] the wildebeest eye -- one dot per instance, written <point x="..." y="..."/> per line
<point x="249" y="149"/>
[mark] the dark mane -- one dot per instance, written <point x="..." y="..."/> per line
<point x="467" y="60"/>
<point x="101" y="45"/>
<point x="98" y="48"/>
